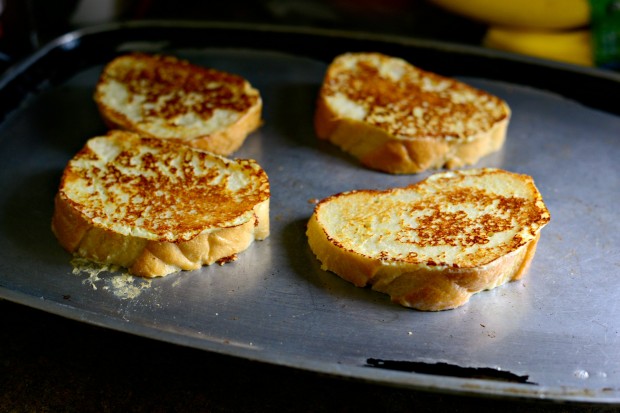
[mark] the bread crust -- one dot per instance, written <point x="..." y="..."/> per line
<point x="423" y="285"/>
<point x="222" y="142"/>
<point x="147" y="258"/>
<point x="102" y="231"/>
<point x="224" y="139"/>
<point x="378" y="147"/>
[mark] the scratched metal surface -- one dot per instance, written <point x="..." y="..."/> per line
<point x="555" y="334"/>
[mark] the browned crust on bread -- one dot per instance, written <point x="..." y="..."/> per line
<point x="223" y="142"/>
<point x="157" y="76"/>
<point x="401" y="145"/>
<point x="227" y="141"/>
<point x="157" y="207"/>
<point x="421" y="282"/>
<point x="384" y="153"/>
<point x="444" y="290"/>
<point x="422" y="288"/>
<point x="148" y="258"/>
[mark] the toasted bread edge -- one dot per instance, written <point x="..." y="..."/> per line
<point x="154" y="258"/>
<point x="377" y="149"/>
<point x="222" y="142"/>
<point x="419" y="286"/>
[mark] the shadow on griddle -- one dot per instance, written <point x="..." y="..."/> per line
<point x="27" y="216"/>
<point x="308" y="268"/>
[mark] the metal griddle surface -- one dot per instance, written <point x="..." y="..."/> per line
<point x="554" y="335"/>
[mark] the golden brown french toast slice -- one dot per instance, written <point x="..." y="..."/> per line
<point x="431" y="245"/>
<point x="156" y="206"/>
<point x="397" y="118"/>
<point x="169" y="98"/>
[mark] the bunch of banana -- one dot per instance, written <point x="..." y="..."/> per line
<point x="572" y="46"/>
<point x="551" y="29"/>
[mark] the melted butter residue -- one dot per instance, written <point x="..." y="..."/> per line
<point x="81" y="265"/>
<point x="122" y="284"/>
<point x="126" y="286"/>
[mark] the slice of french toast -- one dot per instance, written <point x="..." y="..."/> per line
<point x="156" y="206"/>
<point x="397" y="118"/>
<point x="169" y="98"/>
<point x="433" y="244"/>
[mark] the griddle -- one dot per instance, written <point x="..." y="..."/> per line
<point x="553" y="335"/>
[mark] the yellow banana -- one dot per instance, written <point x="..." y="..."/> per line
<point x="573" y="46"/>
<point x="534" y="14"/>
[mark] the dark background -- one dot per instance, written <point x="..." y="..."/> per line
<point x="27" y="24"/>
